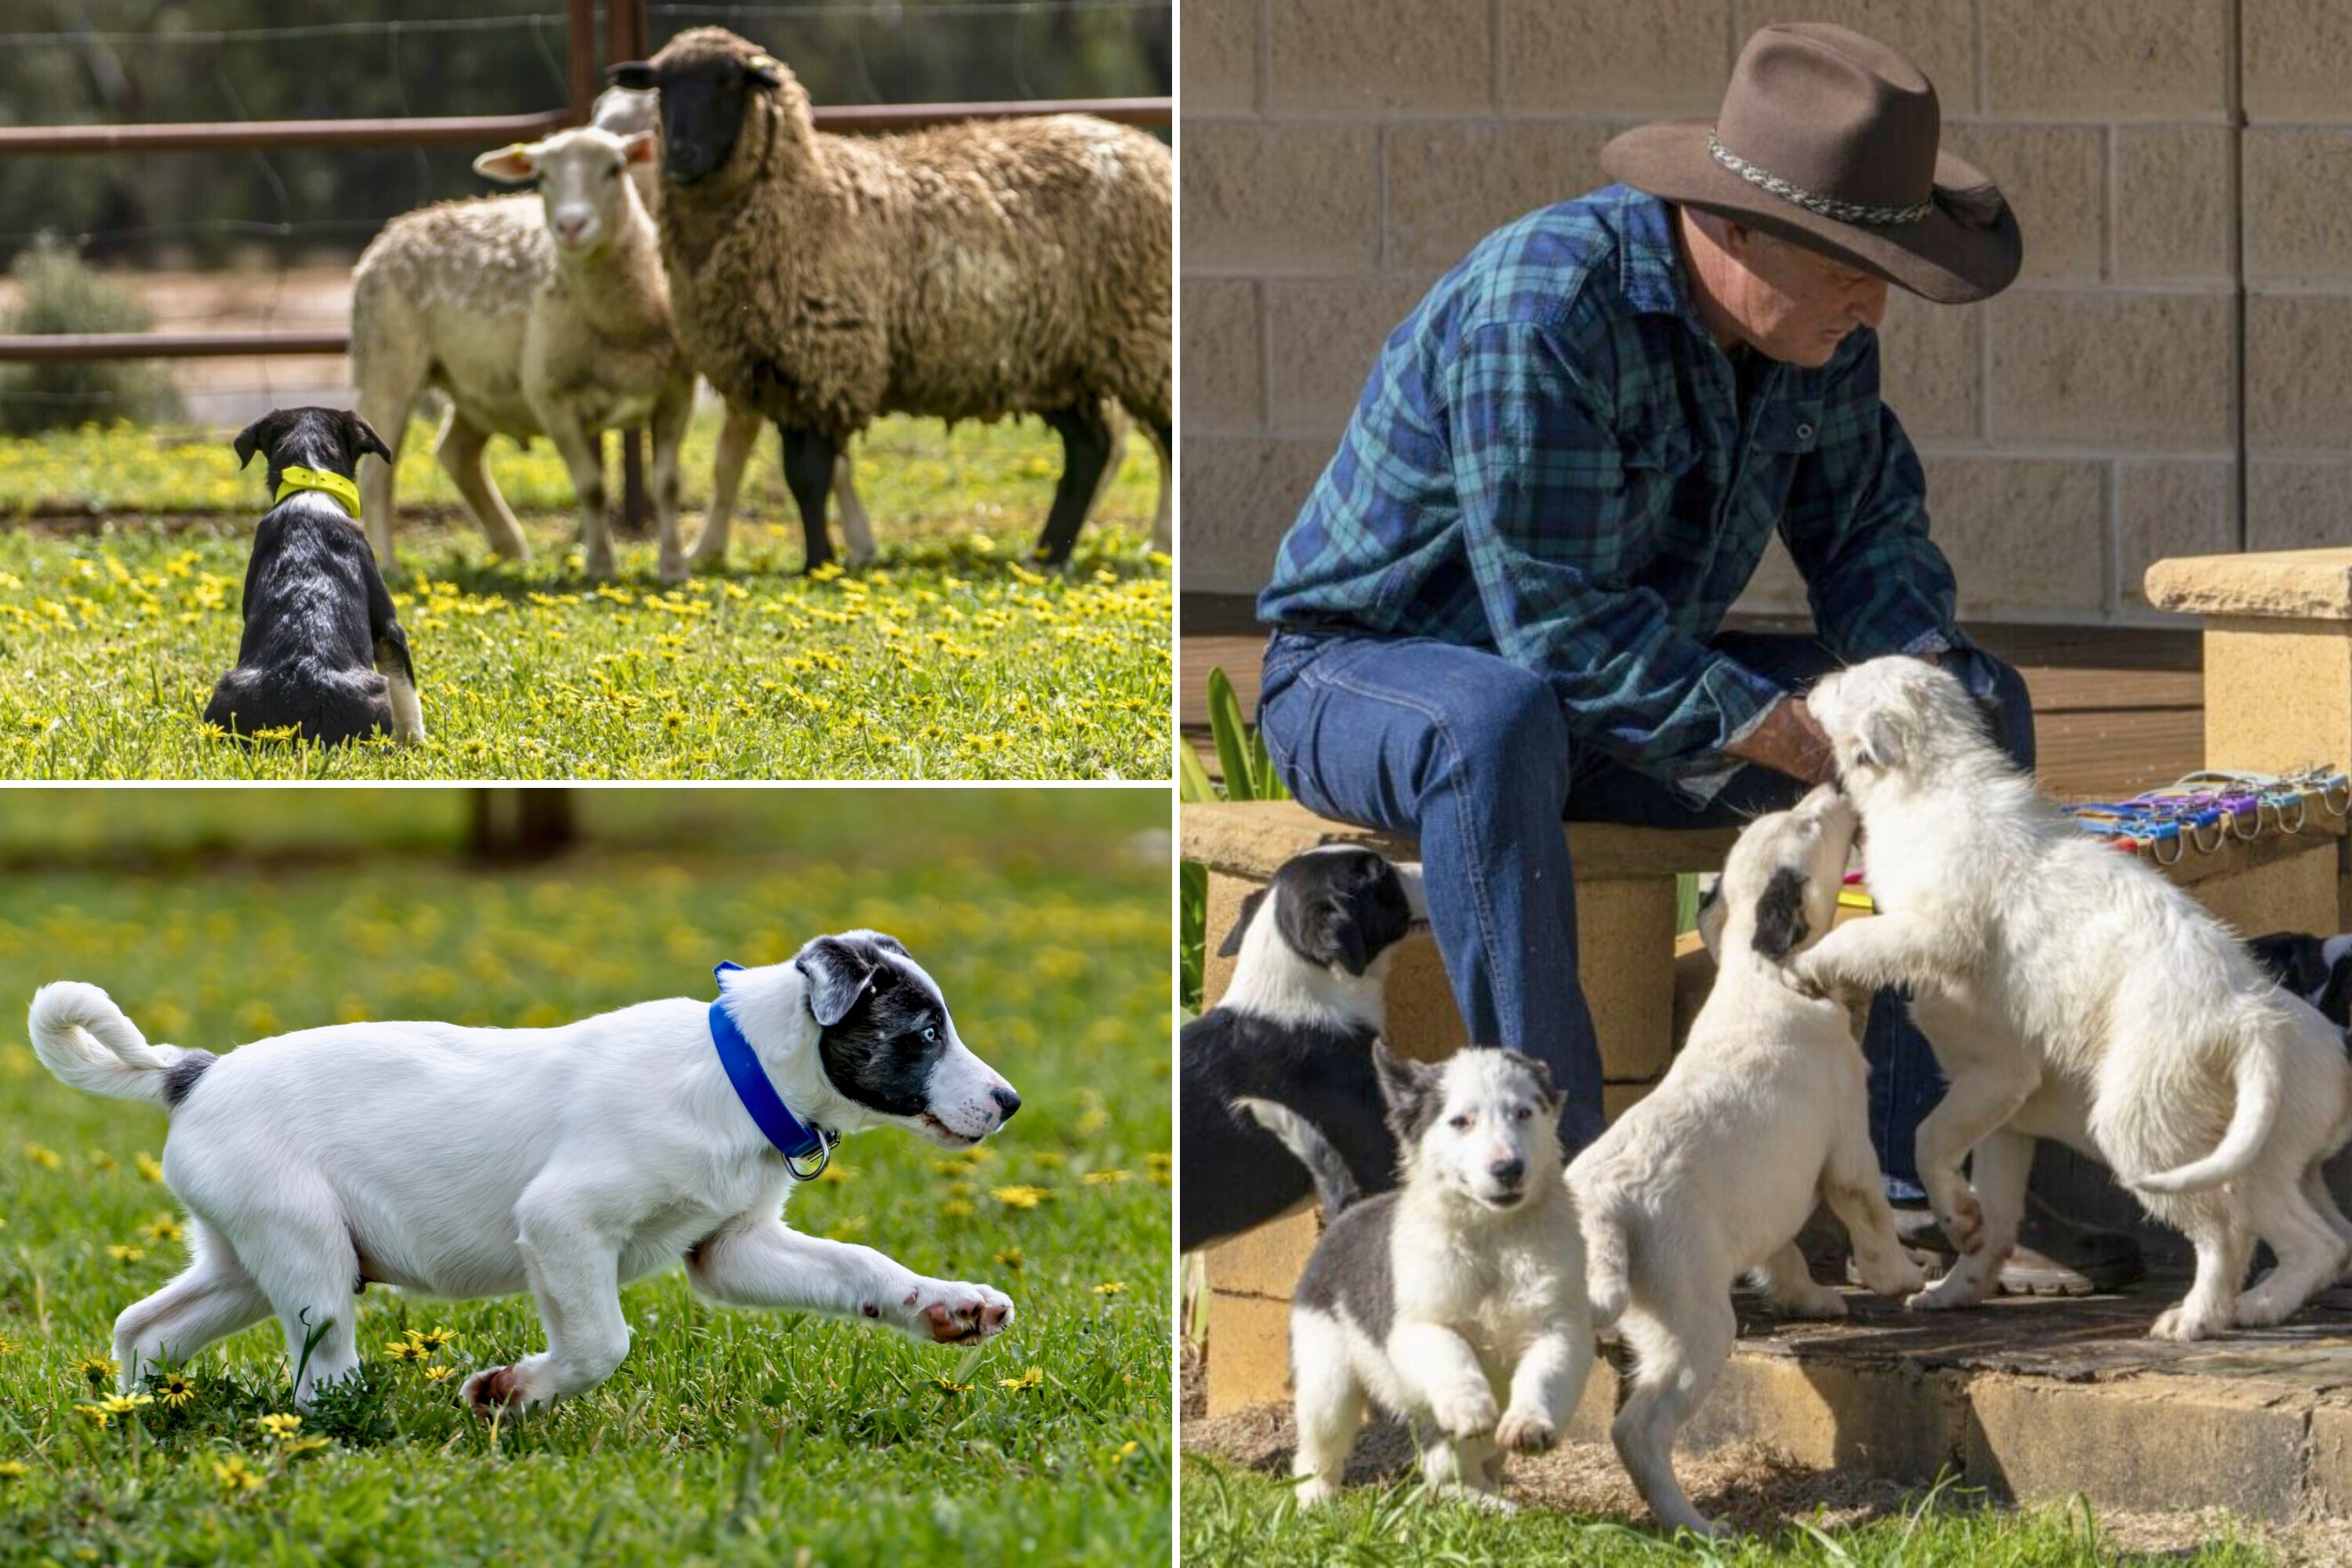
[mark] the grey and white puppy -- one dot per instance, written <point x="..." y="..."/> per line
<point x="1458" y="1300"/>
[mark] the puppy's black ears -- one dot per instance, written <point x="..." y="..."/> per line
<point x="2292" y="958"/>
<point x="1541" y="1072"/>
<point x="837" y="973"/>
<point x="1325" y="930"/>
<point x="362" y="438"/>
<point x="638" y="76"/>
<point x="1409" y="1091"/>
<point x="1232" y="943"/>
<point x="1780" y="925"/>
<point x="259" y="436"/>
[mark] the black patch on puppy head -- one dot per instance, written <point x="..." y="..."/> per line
<point x="1232" y="943"/>
<point x="1541" y="1073"/>
<point x="1343" y="907"/>
<point x="1412" y="1092"/>
<point x="182" y="1075"/>
<point x="1780" y="923"/>
<point x="2292" y="959"/>
<point x="330" y="439"/>
<point x="872" y="1020"/>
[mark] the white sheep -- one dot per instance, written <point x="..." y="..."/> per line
<point x="546" y="316"/>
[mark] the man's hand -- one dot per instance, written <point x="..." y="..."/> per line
<point x="1789" y="741"/>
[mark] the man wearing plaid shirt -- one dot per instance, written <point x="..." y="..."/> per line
<point x="1502" y="605"/>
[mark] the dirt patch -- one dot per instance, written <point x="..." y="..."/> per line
<point x="1757" y="1487"/>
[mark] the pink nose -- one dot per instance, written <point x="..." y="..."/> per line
<point x="571" y="227"/>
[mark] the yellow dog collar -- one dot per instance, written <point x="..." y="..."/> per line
<point x="292" y="479"/>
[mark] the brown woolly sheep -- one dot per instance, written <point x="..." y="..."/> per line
<point x="967" y="272"/>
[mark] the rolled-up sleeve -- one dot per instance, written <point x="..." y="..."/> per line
<point x="1856" y="525"/>
<point x="1545" y="510"/>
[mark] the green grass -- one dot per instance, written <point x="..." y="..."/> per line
<point x="947" y="659"/>
<point x="1233" y="1516"/>
<point x="727" y="1435"/>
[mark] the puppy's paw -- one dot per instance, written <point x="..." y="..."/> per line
<point x="1469" y="1414"/>
<point x="2189" y="1322"/>
<point x="1315" y="1491"/>
<point x="1896" y="1275"/>
<point x="497" y="1388"/>
<point x="1526" y="1432"/>
<point x="948" y="1313"/>
<point x="1952" y="1290"/>
<point x="1815" y="1300"/>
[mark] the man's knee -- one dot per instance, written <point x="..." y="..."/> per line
<point x="1513" y="719"/>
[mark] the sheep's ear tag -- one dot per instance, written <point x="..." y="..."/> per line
<point x="766" y="68"/>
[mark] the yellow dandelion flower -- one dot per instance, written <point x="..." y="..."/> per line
<point x="955" y="1208"/>
<point x="97" y="1415"/>
<point x="301" y="1445"/>
<point x="1159" y="1162"/>
<point x="437" y="1337"/>
<point x="122" y="1254"/>
<point x="1126" y="1452"/>
<point x="126" y="1403"/>
<point x="280" y="1424"/>
<point x="47" y="1159"/>
<point x="98" y="1370"/>
<point x="177" y="1391"/>
<point x="1110" y="1287"/>
<point x="100" y="1158"/>
<point x="163" y="1227"/>
<point x="1029" y="1379"/>
<point x="1018" y="1197"/>
<point x="14" y="1469"/>
<point x="406" y="1350"/>
<point x="148" y="1166"/>
<point x="1104" y="1178"/>
<point x="952" y="1386"/>
<point x="1010" y="1259"/>
<point x="235" y="1474"/>
<point x="439" y="1373"/>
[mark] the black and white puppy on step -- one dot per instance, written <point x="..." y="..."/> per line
<point x="323" y="650"/>
<point x="1293" y="1031"/>
<point x="2317" y="968"/>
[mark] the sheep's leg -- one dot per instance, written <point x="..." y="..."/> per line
<point x="808" y="474"/>
<point x="853" y="526"/>
<point x="1118" y="424"/>
<point x="582" y="451"/>
<point x="460" y="449"/>
<point x="391" y="358"/>
<point x="1164" y="517"/>
<point x="737" y="436"/>
<point x="1085" y="450"/>
<point x="668" y="427"/>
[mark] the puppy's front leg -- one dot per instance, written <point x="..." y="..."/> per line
<point x="575" y="1276"/>
<point x="1544" y="1389"/>
<point x="762" y="1263"/>
<point x="1986" y="1088"/>
<point x="1856" y="1189"/>
<point x="1440" y="1366"/>
<point x="1876" y="954"/>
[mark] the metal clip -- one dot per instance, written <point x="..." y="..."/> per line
<point x="824" y="1157"/>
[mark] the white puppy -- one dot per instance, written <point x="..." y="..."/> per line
<point x="2070" y="991"/>
<point x="1711" y="1174"/>
<point x="1460" y="1294"/>
<point x="469" y="1163"/>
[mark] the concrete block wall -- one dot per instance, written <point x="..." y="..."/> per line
<point x="1339" y="154"/>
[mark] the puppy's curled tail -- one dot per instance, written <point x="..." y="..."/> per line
<point x="83" y="1037"/>
<point x="1605" y="1265"/>
<point x="1334" y="1183"/>
<point x="2259" y="1087"/>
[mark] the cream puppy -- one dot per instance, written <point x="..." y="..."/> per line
<point x="467" y="1162"/>
<point x="1711" y="1174"/>
<point x="1457" y="1300"/>
<point x="2070" y="991"/>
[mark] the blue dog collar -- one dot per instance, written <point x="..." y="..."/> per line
<point x="794" y="1139"/>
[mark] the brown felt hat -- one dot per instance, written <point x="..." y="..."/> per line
<point x="1830" y="140"/>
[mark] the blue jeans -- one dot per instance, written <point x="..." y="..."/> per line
<point x="1469" y="754"/>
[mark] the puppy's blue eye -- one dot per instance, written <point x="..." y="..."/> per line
<point x="931" y="1035"/>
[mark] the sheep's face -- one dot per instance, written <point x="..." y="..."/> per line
<point x="582" y="181"/>
<point x="703" y="101"/>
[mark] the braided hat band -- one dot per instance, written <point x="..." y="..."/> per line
<point x="1827" y="207"/>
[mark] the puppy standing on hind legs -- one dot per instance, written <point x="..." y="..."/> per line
<point x="1763" y="1112"/>
<point x="1468" y="1277"/>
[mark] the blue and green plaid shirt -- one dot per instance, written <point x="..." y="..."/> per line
<point x="1554" y="460"/>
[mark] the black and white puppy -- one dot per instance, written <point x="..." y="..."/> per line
<point x="2317" y="968"/>
<point x="323" y="650"/>
<point x="1294" y="1030"/>
<point x="466" y="1163"/>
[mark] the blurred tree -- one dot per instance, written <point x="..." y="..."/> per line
<point x="522" y="823"/>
